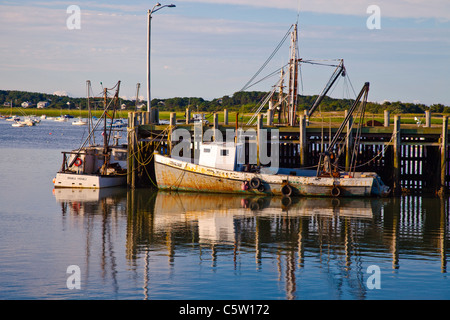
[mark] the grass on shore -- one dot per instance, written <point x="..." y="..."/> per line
<point x="335" y="117"/>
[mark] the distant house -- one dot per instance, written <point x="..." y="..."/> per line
<point x="43" y="104"/>
<point x="123" y="106"/>
<point x="26" y="104"/>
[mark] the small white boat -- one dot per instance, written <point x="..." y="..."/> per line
<point x="18" y="124"/>
<point x="85" y="168"/>
<point x="61" y="119"/>
<point x="30" y="122"/>
<point x="12" y="118"/>
<point x="79" y="122"/>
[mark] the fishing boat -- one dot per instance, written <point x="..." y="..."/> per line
<point x="94" y="165"/>
<point x="219" y="167"/>
<point x="219" y="171"/>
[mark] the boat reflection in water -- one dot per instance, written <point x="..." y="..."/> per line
<point x="291" y="240"/>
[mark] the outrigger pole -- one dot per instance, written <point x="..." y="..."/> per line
<point x="325" y="165"/>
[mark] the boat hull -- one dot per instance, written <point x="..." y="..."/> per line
<point x="88" y="181"/>
<point x="173" y="174"/>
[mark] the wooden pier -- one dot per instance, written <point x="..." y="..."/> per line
<point x="408" y="157"/>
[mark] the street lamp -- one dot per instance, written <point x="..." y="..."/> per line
<point x="154" y="118"/>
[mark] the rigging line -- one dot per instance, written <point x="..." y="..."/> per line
<point x="268" y="76"/>
<point x="319" y="64"/>
<point x="348" y="78"/>
<point x="268" y="59"/>
<point x="301" y="77"/>
<point x="263" y="104"/>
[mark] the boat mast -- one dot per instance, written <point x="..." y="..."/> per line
<point x="88" y="86"/>
<point x="293" y="78"/>
<point x="105" y="138"/>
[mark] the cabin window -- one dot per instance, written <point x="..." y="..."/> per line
<point x="120" y="156"/>
<point x="224" y="152"/>
<point x="206" y="150"/>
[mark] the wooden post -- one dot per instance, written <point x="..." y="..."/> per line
<point x="427" y="119"/>
<point x="173" y="123"/>
<point x="397" y="154"/>
<point x="444" y="143"/>
<point x="302" y="138"/>
<point x="188" y="115"/>
<point x="386" y="118"/>
<point x="269" y="117"/>
<point x="225" y="117"/>
<point x="215" y="125"/>
<point x="132" y="148"/>
<point x="349" y="145"/>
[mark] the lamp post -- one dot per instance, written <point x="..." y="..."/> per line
<point x="153" y="116"/>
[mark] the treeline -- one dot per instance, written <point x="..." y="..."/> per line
<point x="249" y="101"/>
<point x="54" y="101"/>
<point x="244" y="101"/>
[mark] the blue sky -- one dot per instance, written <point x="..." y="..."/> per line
<point x="211" y="48"/>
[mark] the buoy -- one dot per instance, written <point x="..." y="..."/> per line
<point x="78" y="162"/>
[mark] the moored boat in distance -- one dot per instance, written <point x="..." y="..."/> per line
<point x="79" y="122"/>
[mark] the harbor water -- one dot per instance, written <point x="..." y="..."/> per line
<point x="147" y="245"/>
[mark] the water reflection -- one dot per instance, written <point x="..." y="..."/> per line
<point x="338" y="237"/>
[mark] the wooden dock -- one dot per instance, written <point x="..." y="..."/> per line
<point x="409" y="158"/>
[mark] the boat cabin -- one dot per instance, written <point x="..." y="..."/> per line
<point x="90" y="160"/>
<point x="222" y="155"/>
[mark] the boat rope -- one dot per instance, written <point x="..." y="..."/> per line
<point x="382" y="151"/>
<point x="247" y="85"/>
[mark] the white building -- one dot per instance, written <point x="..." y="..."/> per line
<point x="26" y="104"/>
<point x="42" y="104"/>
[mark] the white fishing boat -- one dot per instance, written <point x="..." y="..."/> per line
<point x="95" y="165"/>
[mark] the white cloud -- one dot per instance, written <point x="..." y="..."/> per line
<point x="438" y="9"/>
<point x="61" y="93"/>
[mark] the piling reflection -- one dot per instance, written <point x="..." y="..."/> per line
<point x="336" y="235"/>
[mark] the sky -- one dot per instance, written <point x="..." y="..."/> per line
<point x="212" y="48"/>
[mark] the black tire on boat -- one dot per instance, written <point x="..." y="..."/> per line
<point x="335" y="192"/>
<point x="261" y="188"/>
<point x="286" y="190"/>
<point x="255" y="183"/>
